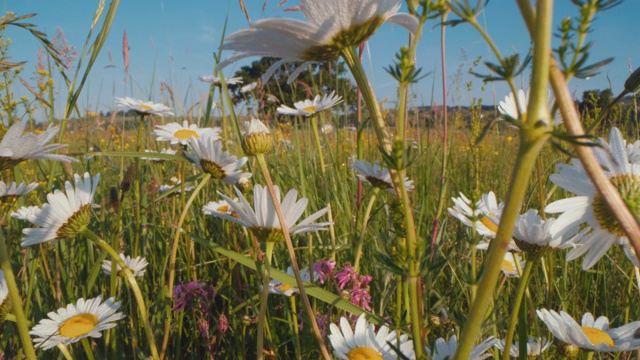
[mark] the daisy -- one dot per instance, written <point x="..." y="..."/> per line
<point x="212" y="160"/>
<point x="535" y="347"/>
<point x="279" y="288"/>
<point x="65" y="214"/>
<point x="28" y="213"/>
<point x="214" y="80"/>
<point x="16" y="147"/>
<point x="135" y="265"/>
<point x="446" y="350"/>
<point x="164" y="188"/>
<point x="364" y="343"/>
<point x="594" y="335"/>
<point x="76" y="322"/>
<point x="531" y="233"/>
<point x="221" y="207"/>
<point x="327" y="129"/>
<point x="249" y="87"/>
<point x="165" y="151"/>
<point x="322" y="37"/>
<point x="143" y="107"/>
<point x="589" y="206"/>
<point x="377" y="176"/>
<point x="484" y="217"/>
<point x="509" y="267"/>
<point x="263" y="221"/>
<point x="257" y="138"/>
<point x="4" y="291"/>
<point x="11" y="192"/>
<point x="514" y="105"/>
<point x="311" y="107"/>
<point x="180" y="134"/>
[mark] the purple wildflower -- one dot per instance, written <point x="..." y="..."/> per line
<point x="324" y="269"/>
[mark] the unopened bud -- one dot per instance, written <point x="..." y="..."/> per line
<point x="257" y="139"/>
<point x="633" y="81"/>
<point x="244" y="185"/>
<point x="569" y="350"/>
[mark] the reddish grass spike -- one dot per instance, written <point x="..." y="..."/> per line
<point x="125" y="51"/>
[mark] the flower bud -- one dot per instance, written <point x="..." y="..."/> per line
<point x="257" y="139"/>
<point x="632" y="84"/>
<point x="244" y="185"/>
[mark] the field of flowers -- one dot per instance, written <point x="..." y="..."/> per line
<point x="324" y="231"/>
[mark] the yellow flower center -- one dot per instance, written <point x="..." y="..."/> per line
<point x="629" y="188"/>
<point x="597" y="337"/>
<point x="223" y="208"/>
<point x="364" y="353"/>
<point x="185" y="134"/>
<point x="78" y="325"/>
<point x="507" y="266"/>
<point x="310" y="109"/>
<point x="285" y="287"/>
<point x="489" y="224"/>
<point x="146" y="107"/>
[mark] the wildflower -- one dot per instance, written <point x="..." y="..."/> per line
<point x="143" y="107"/>
<point x="531" y="233"/>
<point x="327" y="129"/>
<point x="249" y="87"/>
<point x="515" y="106"/>
<point x="355" y="285"/>
<point x="176" y="188"/>
<point x="135" y="265"/>
<point x="16" y="148"/>
<point x="535" y="347"/>
<point x="257" y="138"/>
<point x="26" y="213"/>
<point x="76" y="322"/>
<point x="166" y="151"/>
<point x="11" y="192"/>
<point x="279" y="288"/>
<point x="221" y="206"/>
<point x="223" y="324"/>
<point x="324" y="269"/>
<point x="214" y="80"/>
<point x="193" y="295"/>
<point x="180" y="134"/>
<point x="263" y="221"/>
<point x="446" y="350"/>
<point x="364" y="343"/>
<point x="212" y="160"/>
<point x="590" y="207"/>
<point x="311" y="107"/>
<point x="484" y="217"/>
<point x="323" y="37"/>
<point x="65" y="215"/>
<point x="594" y="335"/>
<point x="4" y="295"/>
<point x="377" y="176"/>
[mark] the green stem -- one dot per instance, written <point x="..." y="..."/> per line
<point x="363" y="230"/>
<point x="513" y="319"/>
<point x="264" y="297"/>
<point x="292" y="254"/>
<point x="133" y="285"/>
<point x="172" y="259"/>
<point x="16" y="302"/>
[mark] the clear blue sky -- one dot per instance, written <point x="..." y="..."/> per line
<point x="173" y="41"/>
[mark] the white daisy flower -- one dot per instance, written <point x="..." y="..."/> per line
<point x="327" y="129"/>
<point x="531" y="233"/>
<point x="589" y="206"/>
<point x="166" y="151"/>
<point x="221" y="207"/>
<point x="535" y="347"/>
<point x="12" y="191"/>
<point x="76" y="322"/>
<point x="483" y="216"/>
<point x="135" y="265"/>
<point x="278" y="288"/>
<point x="16" y="147"/>
<point x="249" y="87"/>
<point x="257" y="138"/>
<point x="633" y="152"/>
<point x="263" y="221"/>
<point x="594" y="335"/>
<point x="212" y="160"/>
<point x="512" y="105"/>
<point x="180" y="134"/>
<point x="508" y="265"/>
<point x="4" y="290"/>
<point x="143" y="107"/>
<point x="364" y="343"/>
<point x="214" y="80"/>
<point x="65" y="214"/>
<point x="311" y="107"/>
<point x="322" y="37"/>
<point x="377" y="176"/>
<point x="164" y="188"/>
<point x="446" y="350"/>
<point x="26" y="213"/>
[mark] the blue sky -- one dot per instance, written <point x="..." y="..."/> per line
<point x="173" y="42"/>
